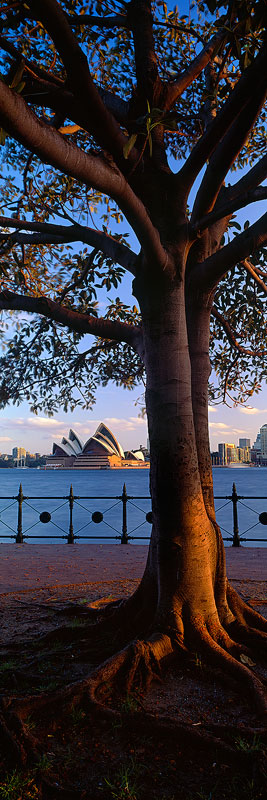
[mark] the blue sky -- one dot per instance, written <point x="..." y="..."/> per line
<point x="116" y="407"/>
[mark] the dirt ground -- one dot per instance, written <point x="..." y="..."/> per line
<point x="192" y="736"/>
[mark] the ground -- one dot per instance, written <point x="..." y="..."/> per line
<point x="191" y="736"/>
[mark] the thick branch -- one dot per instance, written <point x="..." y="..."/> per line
<point x="207" y="274"/>
<point x="100" y="121"/>
<point x="249" y="181"/>
<point x="62" y="234"/>
<point x="176" y="88"/>
<point x="141" y="23"/>
<point x="224" y="209"/>
<point x="227" y="151"/>
<point x="76" y="321"/>
<point x="238" y="99"/>
<point x="93" y="171"/>
<point x="115" y="21"/>
<point x="231" y="335"/>
<point x="50" y="91"/>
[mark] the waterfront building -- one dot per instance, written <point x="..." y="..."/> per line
<point x="263" y="440"/>
<point x="19" y="452"/>
<point x="228" y="453"/>
<point x="101" y="451"/>
<point x="244" y="443"/>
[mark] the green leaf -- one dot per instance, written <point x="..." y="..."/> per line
<point x="129" y="145"/>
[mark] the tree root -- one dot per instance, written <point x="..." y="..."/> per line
<point x="225" y="661"/>
<point x="242" y="612"/>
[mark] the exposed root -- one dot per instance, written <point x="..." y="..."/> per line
<point x="225" y="661"/>
<point x="244" y="613"/>
<point x="136" y="665"/>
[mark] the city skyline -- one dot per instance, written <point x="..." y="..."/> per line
<point x="37" y="433"/>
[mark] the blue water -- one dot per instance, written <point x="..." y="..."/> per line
<point x="98" y="484"/>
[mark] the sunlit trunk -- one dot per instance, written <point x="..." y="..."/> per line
<point x="184" y="542"/>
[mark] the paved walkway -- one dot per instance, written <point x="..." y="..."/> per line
<point x="27" y="567"/>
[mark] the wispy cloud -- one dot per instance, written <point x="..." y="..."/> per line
<point x="6" y="439"/>
<point x="219" y="425"/>
<point x="212" y="410"/>
<point x="251" y="410"/>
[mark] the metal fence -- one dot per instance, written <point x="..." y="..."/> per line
<point x="126" y="502"/>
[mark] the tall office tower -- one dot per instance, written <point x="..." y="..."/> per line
<point x="222" y="453"/>
<point x="244" y="442"/>
<point x="263" y="435"/>
<point x="19" y="452"/>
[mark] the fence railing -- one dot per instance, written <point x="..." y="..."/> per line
<point x="19" y="534"/>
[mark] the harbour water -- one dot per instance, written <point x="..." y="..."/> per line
<point x="250" y="482"/>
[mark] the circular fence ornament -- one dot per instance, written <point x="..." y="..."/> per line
<point x="263" y="518"/>
<point x="45" y="516"/>
<point x="97" y="517"/>
<point x="149" y="517"/>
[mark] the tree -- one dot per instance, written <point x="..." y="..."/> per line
<point x="123" y="91"/>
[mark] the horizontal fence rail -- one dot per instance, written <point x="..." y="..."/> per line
<point x="75" y="502"/>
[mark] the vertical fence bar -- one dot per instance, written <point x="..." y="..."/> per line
<point x="71" y="503"/>
<point x="124" y="538"/>
<point x="236" y="539"/>
<point x="19" y="537"/>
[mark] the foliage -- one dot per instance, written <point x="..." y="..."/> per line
<point x="43" y="361"/>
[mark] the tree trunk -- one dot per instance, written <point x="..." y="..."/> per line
<point x="184" y="539"/>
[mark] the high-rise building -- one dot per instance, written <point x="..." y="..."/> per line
<point x="19" y="452"/>
<point x="263" y="439"/>
<point x="222" y="453"/>
<point x="244" y="442"/>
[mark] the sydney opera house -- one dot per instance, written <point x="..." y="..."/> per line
<point x="101" y="451"/>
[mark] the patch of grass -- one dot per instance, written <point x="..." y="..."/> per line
<point x="47" y="687"/>
<point x="30" y="724"/>
<point x="76" y="623"/>
<point x="131" y="703"/>
<point x="44" y="763"/>
<point x="7" y="665"/>
<point x="124" y="785"/>
<point x="77" y="715"/>
<point x="18" y="786"/>
<point x="255" y="746"/>
<point x="198" y="661"/>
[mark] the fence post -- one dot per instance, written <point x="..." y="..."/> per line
<point x="124" y="538"/>
<point x="71" y="502"/>
<point x="236" y="539"/>
<point x="19" y="537"/>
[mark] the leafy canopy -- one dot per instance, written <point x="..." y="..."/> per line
<point x="76" y="262"/>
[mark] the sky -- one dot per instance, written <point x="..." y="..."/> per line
<point x="119" y="408"/>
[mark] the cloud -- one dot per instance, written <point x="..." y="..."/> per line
<point x="6" y="439"/>
<point x="251" y="410"/>
<point x="219" y="425"/>
<point x="32" y="422"/>
<point x="212" y="410"/>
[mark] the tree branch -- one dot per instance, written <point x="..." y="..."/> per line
<point x="206" y="275"/>
<point x="177" y="87"/>
<point x="222" y="210"/>
<point x="231" y="335"/>
<point x="147" y="76"/>
<point x="249" y="267"/>
<point x="49" y="233"/>
<point x="227" y="151"/>
<point x="238" y="99"/>
<point x="115" y="21"/>
<point x="100" y="121"/>
<point x="76" y="321"/>
<point x="93" y="171"/>
<point x="249" y="181"/>
<point x="43" y="74"/>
